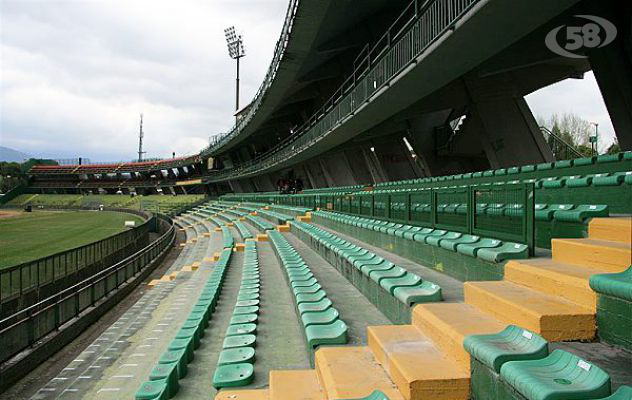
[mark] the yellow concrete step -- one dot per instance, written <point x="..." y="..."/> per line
<point x="447" y="325"/>
<point x="600" y="254"/>
<point x="418" y="368"/>
<point x="547" y="276"/>
<point x="615" y="229"/>
<point x="552" y="317"/>
<point x="298" y="384"/>
<point x="244" y="394"/>
<point x="351" y="372"/>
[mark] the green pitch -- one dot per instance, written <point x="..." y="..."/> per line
<point x="29" y="236"/>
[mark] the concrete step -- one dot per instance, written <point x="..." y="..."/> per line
<point x="615" y="229"/>
<point x="447" y="325"/>
<point x="419" y="369"/>
<point x="544" y="275"/>
<point x="297" y="384"/>
<point x="602" y="255"/>
<point x="552" y="317"/>
<point x="351" y="372"/>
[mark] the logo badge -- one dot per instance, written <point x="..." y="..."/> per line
<point x="598" y="32"/>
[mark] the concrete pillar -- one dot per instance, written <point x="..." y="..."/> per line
<point x="373" y="163"/>
<point x="337" y="169"/>
<point x="508" y="132"/>
<point x="263" y="183"/>
<point x="314" y="174"/>
<point x="359" y="167"/>
<point x="395" y="158"/>
<point x="612" y="65"/>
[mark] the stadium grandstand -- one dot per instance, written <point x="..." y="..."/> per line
<point x="385" y="220"/>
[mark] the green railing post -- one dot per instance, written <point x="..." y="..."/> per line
<point x="529" y="216"/>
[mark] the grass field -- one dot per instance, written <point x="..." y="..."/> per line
<point x="29" y="236"/>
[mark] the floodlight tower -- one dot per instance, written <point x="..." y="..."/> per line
<point x="141" y="134"/>
<point x="235" y="51"/>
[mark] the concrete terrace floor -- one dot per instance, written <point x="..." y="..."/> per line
<point x="120" y="359"/>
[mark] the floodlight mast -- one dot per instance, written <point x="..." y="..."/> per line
<point x="235" y="51"/>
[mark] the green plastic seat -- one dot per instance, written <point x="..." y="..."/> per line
<point x="378" y="274"/>
<point x="317" y="306"/>
<point x="246" y="310"/>
<point x="233" y="375"/>
<point x="511" y="344"/>
<point x="167" y="373"/>
<point x="248" y="296"/>
<point x="581" y="213"/>
<point x="408" y="279"/>
<point x="421" y="237"/>
<point x="187" y="345"/>
<point x="152" y="390"/>
<point x="471" y="249"/>
<point x="236" y="355"/>
<point x="303" y="282"/>
<point x="176" y="356"/>
<point x="241" y="329"/>
<point x="334" y="333"/>
<point x="320" y="318"/>
<point x="508" y="251"/>
<point x="616" y="285"/>
<point x="306" y="289"/>
<point x="559" y="376"/>
<point x="623" y="393"/>
<point x="247" y="303"/>
<point x="423" y="292"/>
<point x="375" y="395"/>
<point x="243" y="319"/>
<point x="450" y="244"/>
<point x="247" y="340"/>
<point x="310" y="297"/>
<point x="435" y="240"/>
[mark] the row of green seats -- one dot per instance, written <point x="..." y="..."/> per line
<point x="235" y="364"/>
<point x="491" y="250"/>
<point x="518" y="360"/>
<point x="318" y="316"/>
<point x="299" y="210"/>
<point x="227" y="238"/>
<point x="172" y="366"/>
<point x="243" y="230"/>
<point x="530" y="170"/>
<point x="260" y="223"/>
<point x="371" y="272"/>
<point x="275" y="216"/>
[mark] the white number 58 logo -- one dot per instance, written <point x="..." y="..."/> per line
<point x="577" y="37"/>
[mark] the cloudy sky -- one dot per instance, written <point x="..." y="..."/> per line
<point x="75" y="74"/>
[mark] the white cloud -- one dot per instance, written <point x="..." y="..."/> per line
<point x="75" y="74"/>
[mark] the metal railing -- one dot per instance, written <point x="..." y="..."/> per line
<point x="26" y="327"/>
<point x="33" y="276"/>
<point x="561" y="149"/>
<point x="418" y="27"/>
<point x="500" y="211"/>
<point x="220" y="140"/>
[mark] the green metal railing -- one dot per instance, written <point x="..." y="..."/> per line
<point x="418" y="27"/>
<point x="500" y="211"/>
<point x="26" y="327"/>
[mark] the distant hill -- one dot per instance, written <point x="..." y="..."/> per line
<point x="10" y="155"/>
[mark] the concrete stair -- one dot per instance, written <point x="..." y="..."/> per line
<point x="352" y="372"/>
<point x="299" y="384"/>
<point x="602" y="255"/>
<point x="544" y="275"/>
<point x="615" y="229"/>
<point x="552" y="317"/>
<point x="419" y="369"/>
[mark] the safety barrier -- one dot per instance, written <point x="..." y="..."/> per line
<point x="26" y="327"/>
<point x="501" y="211"/>
<point x="42" y="276"/>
